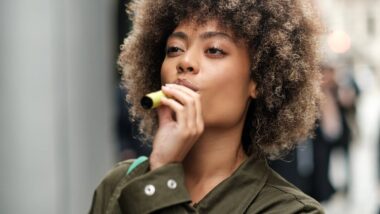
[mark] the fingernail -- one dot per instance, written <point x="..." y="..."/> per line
<point x="169" y="85"/>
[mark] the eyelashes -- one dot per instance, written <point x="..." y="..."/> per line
<point x="215" y="51"/>
<point x="172" y="51"/>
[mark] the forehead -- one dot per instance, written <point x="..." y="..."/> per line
<point x="208" y="25"/>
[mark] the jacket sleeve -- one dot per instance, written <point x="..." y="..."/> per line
<point x="312" y="209"/>
<point x="142" y="191"/>
<point x="155" y="190"/>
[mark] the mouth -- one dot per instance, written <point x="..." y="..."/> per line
<point x="187" y="84"/>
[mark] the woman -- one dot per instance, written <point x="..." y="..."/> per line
<point x="241" y="83"/>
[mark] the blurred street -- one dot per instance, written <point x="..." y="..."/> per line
<point x="363" y="194"/>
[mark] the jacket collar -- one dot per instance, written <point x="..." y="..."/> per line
<point x="237" y="191"/>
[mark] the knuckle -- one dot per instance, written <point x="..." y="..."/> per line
<point x="191" y="131"/>
<point x="181" y="109"/>
<point x="186" y="132"/>
<point x="189" y="101"/>
<point x="194" y="132"/>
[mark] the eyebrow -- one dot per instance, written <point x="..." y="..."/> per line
<point x="204" y="36"/>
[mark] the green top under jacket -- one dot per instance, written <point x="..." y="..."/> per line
<point x="252" y="188"/>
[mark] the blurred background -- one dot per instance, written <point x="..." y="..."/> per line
<point x="64" y="122"/>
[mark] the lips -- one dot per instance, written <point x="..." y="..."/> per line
<point x="187" y="84"/>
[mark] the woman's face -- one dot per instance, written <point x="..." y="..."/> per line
<point x="208" y="59"/>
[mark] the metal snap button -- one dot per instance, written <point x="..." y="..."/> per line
<point x="149" y="190"/>
<point x="172" y="184"/>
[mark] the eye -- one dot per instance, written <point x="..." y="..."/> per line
<point x="173" y="51"/>
<point x="215" y="52"/>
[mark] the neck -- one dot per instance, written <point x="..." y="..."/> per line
<point x="216" y="154"/>
<point x="212" y="159"/>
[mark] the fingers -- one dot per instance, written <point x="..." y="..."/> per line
<point x="186" y="104"/>
<point x="184" y="89"/>
<point x="196" y="97"/>
<point x="164" y="115"/>
<point x="197" y="115"/>
<point x="176" y="107"/>
<point x="176" y="134"/>
<point x="182" y="94"/>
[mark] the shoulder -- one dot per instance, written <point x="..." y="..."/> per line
<point x="117" y="172"/>
<point x="107" y="186"/>
<point x="278" y="195"/>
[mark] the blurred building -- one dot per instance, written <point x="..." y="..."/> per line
<point x="353" y="32"/>
<point x="57" y="63"/>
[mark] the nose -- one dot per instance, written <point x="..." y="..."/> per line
<point x="188" y="63"/>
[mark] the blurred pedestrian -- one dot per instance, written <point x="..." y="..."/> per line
<point x="333" y="132"/>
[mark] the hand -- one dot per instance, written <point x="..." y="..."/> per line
<point x="180" y="125"/>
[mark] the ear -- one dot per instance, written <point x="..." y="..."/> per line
<point x="252" y="89"/>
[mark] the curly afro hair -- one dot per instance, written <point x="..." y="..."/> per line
<point x="283" y="38"/>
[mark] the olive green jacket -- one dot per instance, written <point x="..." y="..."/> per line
<point x="252" y="188"/>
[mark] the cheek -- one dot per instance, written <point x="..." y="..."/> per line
<point x="225" y="101"/>
<point x="231" y="80"/>
<point x="165" y="72"/>
<point x="223" y="111"/>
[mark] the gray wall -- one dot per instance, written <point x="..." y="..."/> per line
<point x="56" y="103"/>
